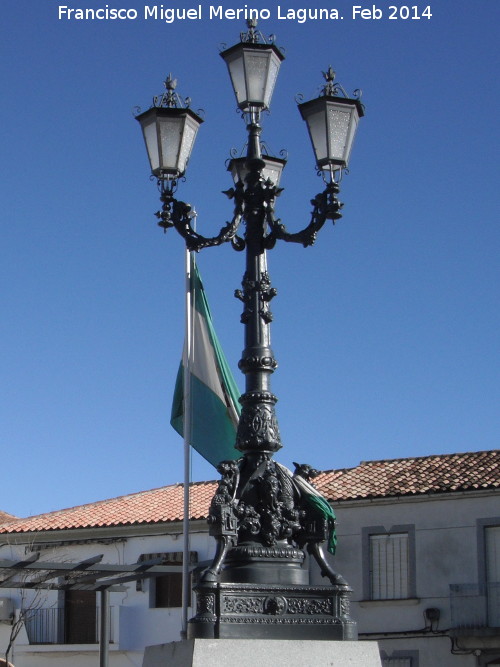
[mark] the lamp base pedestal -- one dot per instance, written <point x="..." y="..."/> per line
<point x="272" y="611"/>
<point x="249" y="652"/>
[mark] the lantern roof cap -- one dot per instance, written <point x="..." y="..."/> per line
<point x="170" y="99"/>
<point x="255" y="39"/>
<point x="333" y="88"/>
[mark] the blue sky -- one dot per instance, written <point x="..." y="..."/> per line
<point x="386" y="331"/>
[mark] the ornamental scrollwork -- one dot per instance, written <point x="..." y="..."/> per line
<point x="255" y="296"/>
<point x="310" y="606"/>
<point x="205" y="604"/>
<point x="243" y="605"/>
<point x="345" y="605"/>
<point x="258" y="427"/>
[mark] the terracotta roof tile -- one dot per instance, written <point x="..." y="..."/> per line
<point x="156" y="506"/>
<point x="402" y="477"/>
<point x="371" y="479"/>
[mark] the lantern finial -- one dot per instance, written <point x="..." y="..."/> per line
<point x="329" y="87"/>
<point x="254" y="36"/>
<point x="170" y="99"/>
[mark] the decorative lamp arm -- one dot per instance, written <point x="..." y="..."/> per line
<point x="326" y="207"/>
<point x="178" y="214"/>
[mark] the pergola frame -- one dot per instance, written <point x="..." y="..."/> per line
<point x="85" y="575"/>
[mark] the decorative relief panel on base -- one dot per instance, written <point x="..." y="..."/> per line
<point x="321" y="612"/>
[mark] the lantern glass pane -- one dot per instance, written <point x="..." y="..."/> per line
<point x="338" y="129"/>
<point x="256" y="65"/>
<point x="317" y="129"/>
<point x="274" y="66"/>
<point x="238" y="170"/>
<point x="272" y="172"/>
<point x="189" y="135"/>
<point x="170" y="130"/>
<point x="236" y="68"/>
<point x="151" y="140"/>
<point x="352" y="133"/>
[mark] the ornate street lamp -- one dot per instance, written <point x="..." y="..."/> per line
<point x="264" y="517"/>
<point x="253" y="67"/>
<point x="169" y="128"/>
<point x="332" y="121"/>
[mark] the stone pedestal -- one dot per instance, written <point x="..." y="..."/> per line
<point x="252" y="652"/>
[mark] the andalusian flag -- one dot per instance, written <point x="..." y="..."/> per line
<point x="205" y="383"/>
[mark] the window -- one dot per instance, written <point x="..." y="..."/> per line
<point x="168" y="590"/>
<point x="389" y="563"/>
<point x="80" y="617"/>
<point x="492" y="539"/>
<point x="400" y="659"/>
<point x="389" y="566"/>
<point x="488" y="546"/>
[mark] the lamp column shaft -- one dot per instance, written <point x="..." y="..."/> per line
<point x="258" y="427"/>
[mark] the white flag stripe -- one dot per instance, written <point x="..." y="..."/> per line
<point x="203" y="362"/>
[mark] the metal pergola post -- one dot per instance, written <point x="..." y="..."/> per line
<point x="104" y="629"/>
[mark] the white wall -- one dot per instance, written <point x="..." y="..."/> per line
<point x="446" y="550"/>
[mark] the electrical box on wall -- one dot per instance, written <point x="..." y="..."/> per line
<point x="6" y="610"/>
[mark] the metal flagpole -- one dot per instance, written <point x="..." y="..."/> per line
<point x="187" y="418"/>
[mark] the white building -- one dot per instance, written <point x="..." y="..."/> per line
<point x="419" y="542"/>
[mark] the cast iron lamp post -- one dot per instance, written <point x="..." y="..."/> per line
<point x="262" y="515"/>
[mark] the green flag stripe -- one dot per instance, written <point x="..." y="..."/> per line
<point x="213" y="434"/>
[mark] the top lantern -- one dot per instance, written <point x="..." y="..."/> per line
<point x="253" y="67"/>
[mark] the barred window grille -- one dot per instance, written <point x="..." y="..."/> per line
<point x="389" y="570"/>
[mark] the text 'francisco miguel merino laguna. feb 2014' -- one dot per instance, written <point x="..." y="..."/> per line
<point x="220" y="12"/>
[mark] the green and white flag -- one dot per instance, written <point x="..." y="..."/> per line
<point x="212" y="394"/>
